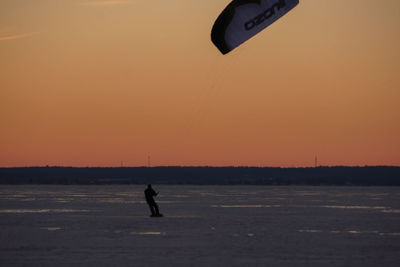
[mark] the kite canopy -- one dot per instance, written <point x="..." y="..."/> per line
<point x="242" y="19"/>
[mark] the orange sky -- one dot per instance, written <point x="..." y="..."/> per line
<point x="94" y="83"/>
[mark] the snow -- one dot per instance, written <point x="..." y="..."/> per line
<point x="203" y="226"/>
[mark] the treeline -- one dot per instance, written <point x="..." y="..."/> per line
<point x="361" y="176"/>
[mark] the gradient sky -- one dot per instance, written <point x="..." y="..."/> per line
<point x="94" y="83"/>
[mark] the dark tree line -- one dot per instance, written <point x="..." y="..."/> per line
<point x="381" y="176"/>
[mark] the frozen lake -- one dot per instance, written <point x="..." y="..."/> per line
<point x="203" y="226"/>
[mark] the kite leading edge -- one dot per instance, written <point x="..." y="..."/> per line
<point x="242" y="19"/>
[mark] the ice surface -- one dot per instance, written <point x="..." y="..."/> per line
<point x="203" y="226"/>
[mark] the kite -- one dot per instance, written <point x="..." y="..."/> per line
<point x="242" y="19"/>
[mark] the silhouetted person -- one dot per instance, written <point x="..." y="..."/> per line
<point x="149" y="193"/>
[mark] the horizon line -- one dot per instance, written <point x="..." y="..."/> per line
<point x="201" y="166"/>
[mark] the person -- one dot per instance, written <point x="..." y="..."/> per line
<point x="149" y="193"/>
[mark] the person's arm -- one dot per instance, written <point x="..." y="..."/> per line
<point x="154" y="192"/>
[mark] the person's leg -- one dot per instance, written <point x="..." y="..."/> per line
<point x="152" y="210"/>
<point x="156" y="208"/>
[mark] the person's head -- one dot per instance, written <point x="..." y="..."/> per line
<point x="149" y="186"/>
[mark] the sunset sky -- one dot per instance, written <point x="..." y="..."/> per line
<point x="94" y="83"/>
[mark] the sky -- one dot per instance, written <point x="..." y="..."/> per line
<point x="105" y="83"/>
